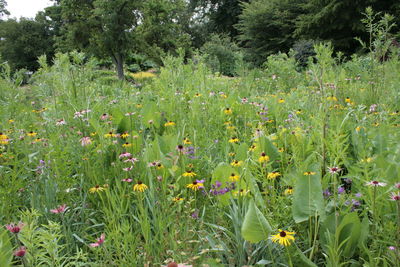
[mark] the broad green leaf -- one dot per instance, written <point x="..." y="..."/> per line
<point x="308" y="198"/>
<point x="6" y="250"/>
<point x="305" y="260"/>
<point x="255" y="226"/>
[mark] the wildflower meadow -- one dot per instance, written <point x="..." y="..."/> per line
<point x="182" y="167"/>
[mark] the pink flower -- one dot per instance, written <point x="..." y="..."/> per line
<point x="59" y="209"/>
<point x="99" y="242"/>
<point x="395" y="196"/>
<point x="128" y="169"/>
<point x="105" y="116"/>
<point x="132" y="160"/>
<point x="15" y="228"/>
<point x="375" y="183"/>
<point x="129" y="113"/>
<point x="128" y="180"/>
<point x="86" y="141"/>
<point x="20" y="252"/>
<point x="125" y="155"/>
<point x="334" y="170"/>
<point x="397" y="185"/>
<point x="61" y="122"/>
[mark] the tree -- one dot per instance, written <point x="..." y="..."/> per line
<point x="3" y="10"/>
<point x="267" y="26"/>
<point x="339" y="21"/>
<point x="22" y="42"/>
<point x="101" y="27"/>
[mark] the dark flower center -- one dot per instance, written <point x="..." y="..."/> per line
<point x="139" y="182"/>
<point x="263" y="154"/>
<point x="195" y="183"/>
<point x="282" y="234"/>
<point x="375" y="182"/>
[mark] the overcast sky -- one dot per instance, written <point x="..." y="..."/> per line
<point x="26" y="8"/>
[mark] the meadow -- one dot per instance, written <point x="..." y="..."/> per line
<point x="275" y="167"/>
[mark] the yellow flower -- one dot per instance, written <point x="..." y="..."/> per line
<point x="177" y="199"/>
<point x="241" y="192"/>
<point x="283" y="237"/>
<point x="10" y="121"/>
<point x="233" y="177"/>
<point x="252" y="147"/>
<point x="139" y="187"/>
<point x="234" y="140"/>
<point x="358" y="128"/>
<point x="139" y="105"/>
<point x="31" y="134"/>
<point x="93" y="134"/>
<point x="263" y="158"/>
<point x="197" y="95"/>
<point x="281" y="100"/>
<point x="230" y="127"/>
<point x="195" y="185"/>
<point x="169" y="123"/>
<point x="299" y="111"/>
<point x="395" y="113"/>
<point x="331" y="98"/>
<point x="231" y="154"/>
<point x="127" y="145"/>
<point x="309" y="173"/>
<point x="3" y="139"/>
<point x="186" y="141"/>
<point x="273" y="175"/>
<point x="288" y="191"/>
<point x="160" y="166"/>
<point x="142" y="75"/>
<point x="189" y="174"/>
<point x="228" y="111"/>
<point x="97" y="188"/>
<point x="110" y="134"/>
<point x="281" y="149"/>
<point x="347" y="100"/>
<point x="236" y="163"/>
<point x="124" y="135"/>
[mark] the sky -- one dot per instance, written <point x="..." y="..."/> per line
<point x="26" y="8"/>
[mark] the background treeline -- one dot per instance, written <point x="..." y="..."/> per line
<point x="134" y="35"/>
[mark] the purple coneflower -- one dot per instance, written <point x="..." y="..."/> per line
<point x="375" y="183"/>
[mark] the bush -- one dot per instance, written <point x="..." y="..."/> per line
<point x="222" y="55"/>
<point x="303" y="49"/>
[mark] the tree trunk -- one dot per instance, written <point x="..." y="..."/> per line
<point x="119" y="65"/>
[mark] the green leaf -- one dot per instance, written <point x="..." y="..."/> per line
<point x="308" y="198"/>
<point x="6" y="250"/>
<point x="255" y="226"/>
<point x="306" y="260"/>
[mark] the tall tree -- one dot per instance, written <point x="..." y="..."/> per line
<point x="3" y="10"/>
<point x="267" y="26"/>
<point x="339" y="21"/>
<point x="22" y="42"/>
<point x="102" y="27"/>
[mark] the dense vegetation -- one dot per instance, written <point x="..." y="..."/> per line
<point x="136" y="35"/>
<point x="213" y="148"/>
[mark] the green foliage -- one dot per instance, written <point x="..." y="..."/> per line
<point x="222" y="55"/>
<point x="255" y="227"/>
<point x="22" y="42"/>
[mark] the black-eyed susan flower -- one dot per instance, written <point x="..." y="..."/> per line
<point x="273" y="175"/>
<point x="126" y="144"/>
<point x="281" y="149"/>
<point x="96" y="189"/>
<point x="196" y="185"/>
<point x="197" y="95"/>
<point x="347" y="100"/>
<point x="263" y="158"/>
<point x="234" y="140"/>
<point x="367" y="160"/>
<point x="124" y="135"/>
<point x="283" y="237"/>
<point x="288" y="191"/>
<point x="236" y="163"/>
<point x="177" y="199"/>
<point x="228" y="111"/>
<point x="252" y="147"/>
<point x="299" y="111"/>
<point x="234" y="177"/>
<point x="10" y="121"/>
<point x="187" y="141"/>
<point x="231" y="154"/>
<point x="160" y="166"/>
<point x="189" y="173"/>
<point x="31" y="134"/>
<point x="140" y="187"/>
<point x="169" y="124"/>
<point x="331" y="98"/>
<point x="3" y="139"/>
<point x="281" y="100"/>
<point x="139" y="105"/>
<point x="110" y="134"/>
<point x="241" y="192"/>
<point x="308" y="173"/>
